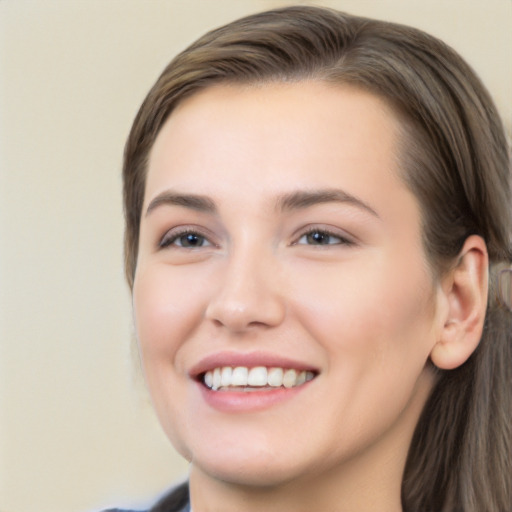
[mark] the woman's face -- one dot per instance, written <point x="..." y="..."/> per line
<point x="276" y="235"/>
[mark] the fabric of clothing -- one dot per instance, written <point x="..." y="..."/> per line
<point x="177" y="500"/>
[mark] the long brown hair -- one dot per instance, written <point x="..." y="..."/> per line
<point x="454" y="158"/>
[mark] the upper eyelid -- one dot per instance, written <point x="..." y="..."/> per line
<point x="323" y="231"/>
<point x="177" y="231"/>
<point x="329" y="230"/>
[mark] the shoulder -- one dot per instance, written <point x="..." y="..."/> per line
<point x="177" y="500"/>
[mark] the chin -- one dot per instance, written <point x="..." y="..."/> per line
<point x="248" y="470"/>
<point x="253" y="477"/>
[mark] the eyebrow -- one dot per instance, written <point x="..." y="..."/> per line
<point x="298" y="200"/>
<point x="306" y="198"/>
<point x="192" y="201"/>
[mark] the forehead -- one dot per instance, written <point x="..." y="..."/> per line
<point x="273" y="127"/>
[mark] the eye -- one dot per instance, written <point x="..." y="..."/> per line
<point x="187" y="239"/>
<point x="322" y="237"/>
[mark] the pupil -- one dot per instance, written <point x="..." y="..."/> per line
<point x="318" y="238"/>
<point x="191" y="240"/>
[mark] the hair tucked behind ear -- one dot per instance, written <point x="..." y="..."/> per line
<point x="454" y="159"/>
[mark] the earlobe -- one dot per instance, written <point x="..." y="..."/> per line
<point x="465" y="288"/>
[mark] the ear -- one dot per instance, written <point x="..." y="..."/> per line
<point x="465" y="289"/>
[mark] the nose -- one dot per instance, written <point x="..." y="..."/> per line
<point x="248" y="294"/>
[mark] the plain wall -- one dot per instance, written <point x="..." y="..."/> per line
<point x="77" y="432"/>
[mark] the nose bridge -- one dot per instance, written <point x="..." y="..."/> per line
<point x="248" y="293"/>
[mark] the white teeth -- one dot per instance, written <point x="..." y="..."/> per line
<point x="289" y="378"/>
<point x="208" y="379"/>
<point x="275" y="377"/>
<point x="239" y="376"/>
<point x="226" y="374"/>
<point x="257" y="377"/>
<point x="216" y="378"/>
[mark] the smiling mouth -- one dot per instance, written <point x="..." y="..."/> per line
<point x="259" y="378"/>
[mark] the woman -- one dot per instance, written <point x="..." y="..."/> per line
<point x="313" y="204"/>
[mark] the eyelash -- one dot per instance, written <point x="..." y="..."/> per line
<point x="343" y="240"/>
<point x="170" y="238"/>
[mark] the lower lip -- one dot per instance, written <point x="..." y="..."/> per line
<point x="241" y="401"/>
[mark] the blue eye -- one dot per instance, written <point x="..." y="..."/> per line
<point x="186" y="240"/>
<point x="322" y="237"/>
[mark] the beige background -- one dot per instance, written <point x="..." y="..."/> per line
<point x="76" y="430"/>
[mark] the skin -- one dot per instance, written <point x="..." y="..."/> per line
<point x="362" y="309"/>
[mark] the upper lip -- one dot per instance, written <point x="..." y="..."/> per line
<point x="249" y="359"/>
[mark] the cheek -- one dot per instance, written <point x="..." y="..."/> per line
<point x="375" y="329"/>
<point x="167" y="306"/>
<point x="166" y="309"/>
<point x="381" y="314"/>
